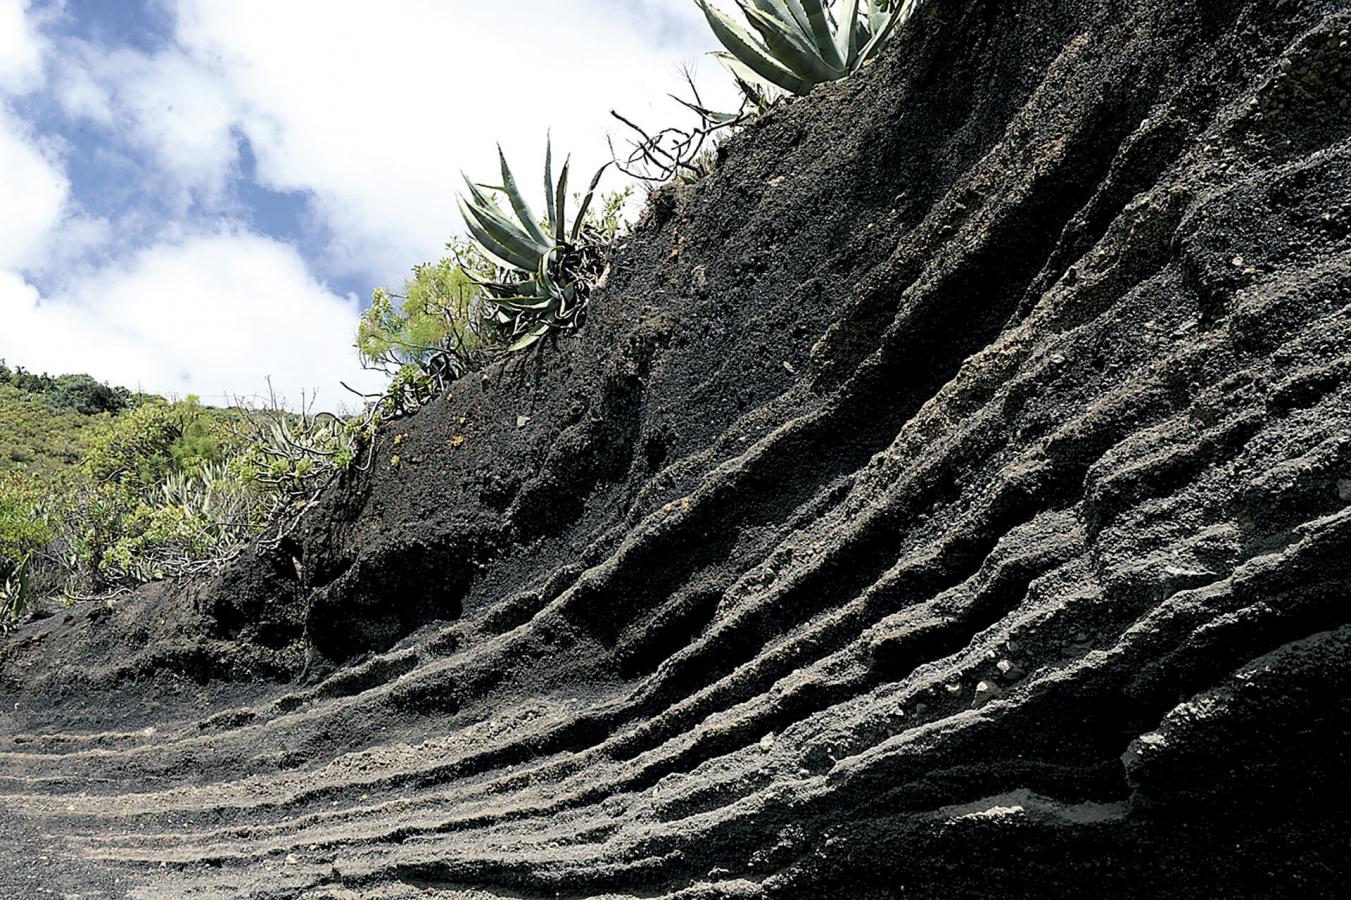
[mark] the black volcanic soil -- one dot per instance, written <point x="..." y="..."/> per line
<point x="949" y="497"/>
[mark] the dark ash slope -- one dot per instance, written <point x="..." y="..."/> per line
<point x="950" y="497"/>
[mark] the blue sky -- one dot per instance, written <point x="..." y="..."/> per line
<point x="196" y="195"/>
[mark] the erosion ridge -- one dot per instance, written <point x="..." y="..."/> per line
<point x="950" y="496"/>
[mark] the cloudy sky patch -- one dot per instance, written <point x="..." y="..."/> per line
<point x="198" y="194"/>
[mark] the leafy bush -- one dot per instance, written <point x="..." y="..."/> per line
<point x="80" y="393"/>
<point x="291" y="455"/>
<point x="116" y="511"/>
<point x="24" y="532"/>
<point x="804" y="43"/>
<point x="432" y="333"/>
<point x="163" y="489"/>
<point x="141" y="447"/>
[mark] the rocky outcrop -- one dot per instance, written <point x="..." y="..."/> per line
<point x="948" y="497"/>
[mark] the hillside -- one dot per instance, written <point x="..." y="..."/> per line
<point x="948" y="497"/>
<point x="45" y="420"/>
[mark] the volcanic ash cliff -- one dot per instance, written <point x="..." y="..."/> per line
<point x="949" y="497"/>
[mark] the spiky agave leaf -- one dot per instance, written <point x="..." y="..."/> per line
<point x="789" y="12"/>
<point x="750" y="54"/>
<point x="497" y="235"/>
<point x="795" y="51"/>
<point x="560" y="219"/>
<point x="877" y="13"/>
<point x="518" y="244"/>
<point x="550" y="200"/>
<point x="848" y="33"/>
<point x="802" y="42"/>
<point x="890" y="15"/>
<point x="818" y="17"/>
<point x="878" y="39"/>
<point x="530" y="337"/>
<point x="586" y="203"/>
<point x="546" y="257"/>
<point x="524" y="214"/>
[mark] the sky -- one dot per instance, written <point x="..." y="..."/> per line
<point x="197" y="196"/>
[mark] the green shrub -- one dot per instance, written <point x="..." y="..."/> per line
<point x="80" y="393"/>
<point x="289" y="456"/>
<point x="163" y="489"/>
<point x="25" y="531"/>
<point x="143" y="446"/>
<point x="432" y="333"/>
<point x="118" y="526"/>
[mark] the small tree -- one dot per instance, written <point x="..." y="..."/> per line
<point x="432" y="332"/>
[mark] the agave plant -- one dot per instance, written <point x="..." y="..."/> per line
<point x="546" y="266"/>
<point x="804" y="42"/>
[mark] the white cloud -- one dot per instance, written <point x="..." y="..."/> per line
<point x="368" y="110"/>
<point x="373" y="109"/>
<point x="166" y="106"/>
<point x="212" y="315"/>
<point x="33" y="196"/>
<point x="21" y="48"/>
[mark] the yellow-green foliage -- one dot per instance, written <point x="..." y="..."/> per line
<point x="23" y="523"/>
<point x="38" y="439"/>
<point x="434" y="313"/>
<point x="143" y="446"/>
<point x="285" y="453"/>
<point x="159" y="488"/>
<point x="25" y="529"/>
<point x="121" y="510"/>
<point x="153" y="535"/>
<point x="432" y="332"/>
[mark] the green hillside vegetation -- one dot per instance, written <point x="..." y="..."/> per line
<point x="45" y="421"/>
<point x="39" y="439"/>
<point x="102" y="489"/>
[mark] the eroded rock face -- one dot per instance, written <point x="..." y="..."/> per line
<point x="951" y="496"/>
